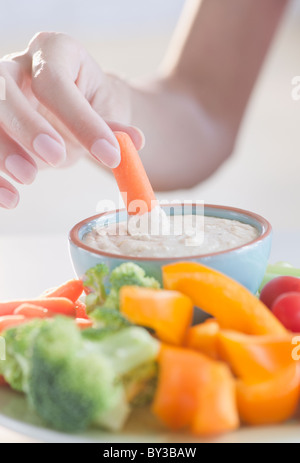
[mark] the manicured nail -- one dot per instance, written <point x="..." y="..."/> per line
<point x="141" y="134"/>
<point x="143" y="140"/>
<point x="106" y="153"/>
<point x="20" y="168"/>
<point x="49" y="149"/>
<point x="8" y="199"/>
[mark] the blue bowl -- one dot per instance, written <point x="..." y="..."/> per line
<point x="245" y="264"/>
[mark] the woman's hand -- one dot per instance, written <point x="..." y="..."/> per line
<point x="58" y="104"/>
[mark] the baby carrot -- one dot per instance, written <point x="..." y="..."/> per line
<point x="8" y="321"/>
<point x="83" y="323"/>
<point x="80" y="308"/>
<point x="71" y="289"/>
<point x="132" y="179"/>
<point x="53" y="304"/>
<point x="32" y="311"/>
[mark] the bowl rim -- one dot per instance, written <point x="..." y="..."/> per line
<point x="265" y="224"/>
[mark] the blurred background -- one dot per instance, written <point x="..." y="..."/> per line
<point x="130" y="38"/>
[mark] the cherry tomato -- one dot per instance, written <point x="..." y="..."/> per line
<point x="287" y="309"/>
<point x="276" y="287"/>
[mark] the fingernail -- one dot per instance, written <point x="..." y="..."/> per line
<point x="106" y="153"/>
<point x="20" y="168"/>
<point x="141" y="134"/>
<point x="49" y="149"/>
<point x="8" y="199"/>
<point x="143" y="140"/>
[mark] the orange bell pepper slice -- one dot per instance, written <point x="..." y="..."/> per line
<point x="168" y="313"/>
<point x="272" y="401"/>
<point x="216" y="411"/>
<point x="194" y="392"/>
<point x="255" y="358"/>
<point x="233" y="306"/>
<point x="204" y="338"/>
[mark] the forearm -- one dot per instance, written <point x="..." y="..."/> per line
<point x="184" y="145"/>
<point x="192" y="114"/>
<point x="218" y="50"/>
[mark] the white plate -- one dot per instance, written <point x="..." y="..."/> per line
<point x="142" y="427"/>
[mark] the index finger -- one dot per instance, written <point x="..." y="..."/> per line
<point x="56" y="68"/>
<point x="63" y="99"/>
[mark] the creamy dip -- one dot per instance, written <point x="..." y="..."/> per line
<point x="179" y="236"/>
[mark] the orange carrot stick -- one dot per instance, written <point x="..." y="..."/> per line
<point x="53" y="304"/>
<point x="32" y="311"/>
<point x="80" y="308"/>
<point x="132" y="179"/>
<point x="8" y="321"/>
<point x="83" y="323"/>
<point x="71" y="289"/>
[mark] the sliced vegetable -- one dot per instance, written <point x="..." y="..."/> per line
<point x="71" y="289"/>
<point x="204" y="337"/>
<point x="80" y="308"/>
<point x="269" y="402"/>
<point x="255" y="358"/>
<point x="127" y="274"/>
<point x="7" y="321"/>
<point x="60" y="305"/>
<point x="233" y="306"/>
<point x="83" y="323"/>
<point x="133" y="343"/>
<point x="194" y="391"/>
<point x="168" y="313"/>
<point x="104" y="317"/>
<point x="32" y="311"/>
<point x="94" y="285"/>
<point x="132" y="180"/>
<point x="69" y="386"/>
<point x="178" y="386"/>
<point x="216" y="410"/>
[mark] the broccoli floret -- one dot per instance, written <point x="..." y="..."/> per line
<point x="110" y="318"/>
<point x="73" y="380"/>
<point x="97" y="334"/>
<point x="106" y="321"/>
<point x="128" y="348"/>
<point x="140" y="384"/>
<point x="94" y="280"/>
<point x="18" y="342"/>
<point x="127" y="273"/>
<point x="70" y="387"/>
<point x="132" y="352"/>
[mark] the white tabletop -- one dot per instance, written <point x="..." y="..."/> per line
<point x="32" y="263"/>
